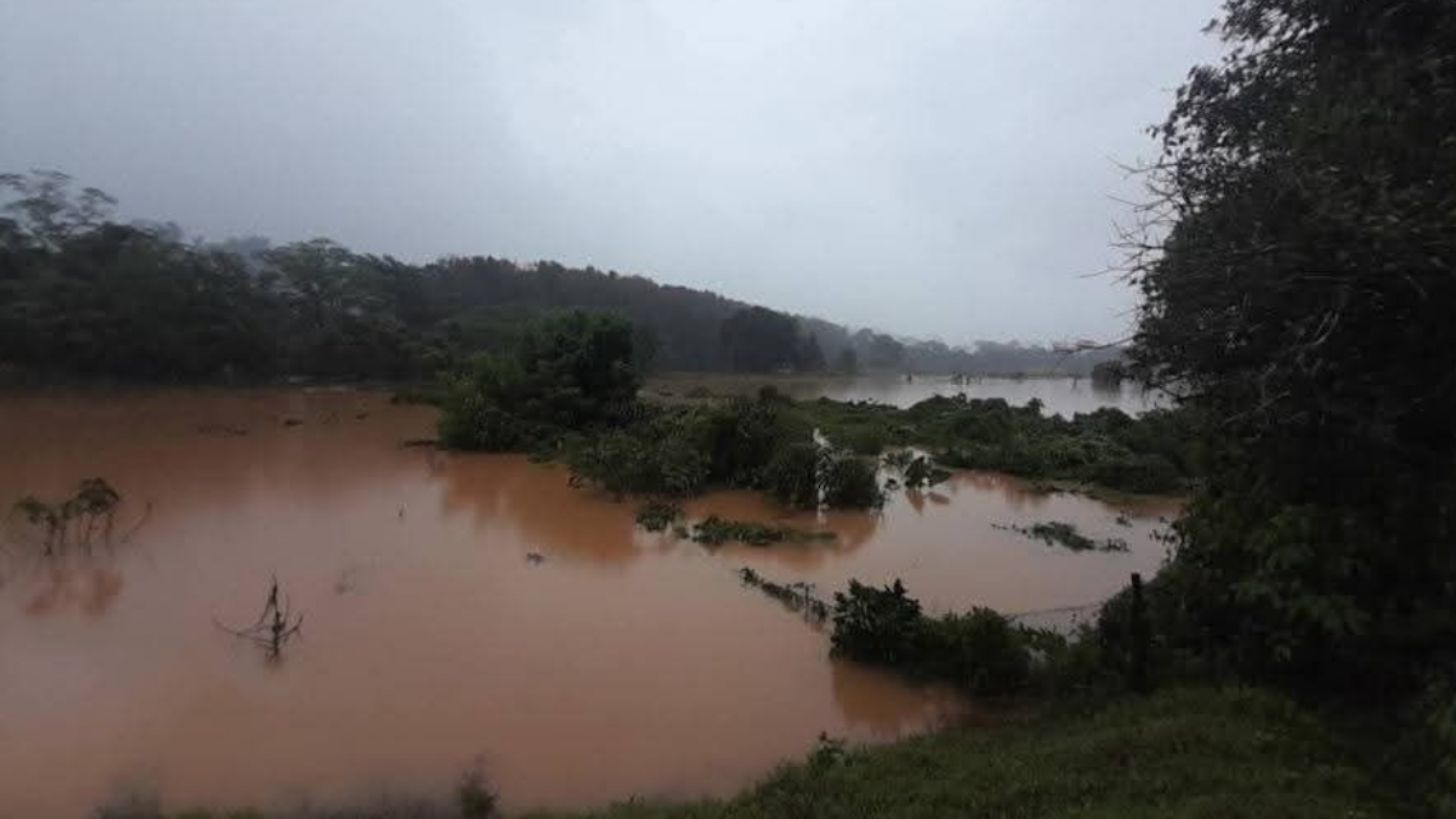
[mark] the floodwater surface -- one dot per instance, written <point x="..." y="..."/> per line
<point x="459" y="611"/>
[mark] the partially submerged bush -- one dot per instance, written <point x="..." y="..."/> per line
<point x="658" y="515"/>
<point x="743" y="437"/>
<point x="797" y="597"/>
<point x="1154" y="453"/>
<point x="1057" y="533"/>
<point x="792" y="475"/>
<point x="982" y="651"/>
<point x="660" y="456"/>
<point x="850" y="482"/>
<point x="715" y="531"/>
<point x="880" y="626"/>
<point x="570" y="372"/>
<point x="78" y="520"/>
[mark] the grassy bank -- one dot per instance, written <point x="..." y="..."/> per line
<point x="1180" y="753"/>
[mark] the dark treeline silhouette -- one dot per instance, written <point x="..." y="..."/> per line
<point x="84" y="296"/>
<point x="1298" y="294"/>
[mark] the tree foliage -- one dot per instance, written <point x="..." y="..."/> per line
<point x="1299" y="291"/>
<point x="567" y="373"/>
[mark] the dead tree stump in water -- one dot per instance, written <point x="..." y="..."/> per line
<point x="274" y="627"/>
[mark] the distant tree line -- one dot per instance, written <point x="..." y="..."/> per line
<point x="84" y="296"/>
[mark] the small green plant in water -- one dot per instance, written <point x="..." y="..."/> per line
<point x="715" y="531"/>
<point x="658" y="515"/>
<point x="1056" y="533"/>
<point x="981" y="651"/>
<point x="92" y="509"/>
<point x="797" y="597"/>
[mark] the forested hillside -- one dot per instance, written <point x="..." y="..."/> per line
<point x="84" y="296"/>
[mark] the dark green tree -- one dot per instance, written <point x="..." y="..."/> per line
<point x="758" y="339"/>
<point x="811" y="356"/>
<point x="569" y="372"/>
<point x="1297" y="286"/>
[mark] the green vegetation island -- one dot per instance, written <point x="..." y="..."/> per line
<point x="1297" y="654"/>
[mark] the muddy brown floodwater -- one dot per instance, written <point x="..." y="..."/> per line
<point x="618" y="663"/>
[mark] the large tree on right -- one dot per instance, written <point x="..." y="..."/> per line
<point x="1300" y="286"/>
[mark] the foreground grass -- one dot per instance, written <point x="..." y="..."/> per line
<point x="1184" y="753"/>
<point x="1180" y="753"/>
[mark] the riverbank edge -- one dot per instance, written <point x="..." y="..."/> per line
<point x="1181" y="752"/>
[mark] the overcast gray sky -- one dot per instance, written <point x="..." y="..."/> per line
<point x="928" y="168"/>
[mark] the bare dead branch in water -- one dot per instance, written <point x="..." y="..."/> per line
<point x="275" y="626"/>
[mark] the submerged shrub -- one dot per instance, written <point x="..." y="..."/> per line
<point x="849" y="482"/>
<point x="569" y="372"/>
<point x="658" y="515"/>
<point x="93" y="505"/>
<point x="659" y="457"/>
<point x="743" y="436"/>
<point x="715" y="531"/>
<point x="792" y="476"/>
<point x="880" y="626"/>
<point x="473" y="422"/>
<point x="797" y="597"/>
<point x="1057" y="533"/>
<point x="980" y="651"/>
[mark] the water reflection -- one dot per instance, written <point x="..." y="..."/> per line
<point x="880" y="703"/>
<point x="549" y="516"/>
<point x="88" y="589"/>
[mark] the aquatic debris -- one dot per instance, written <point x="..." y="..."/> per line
<point x="1056" y="533"/>
<point x="414" y="442"/>
<point x="274" y="627"/>
<point x="347" y="580"/>
<point x="797" y="597"/>
<point x="658" y="515"/>
<point x="292" y="422"/>
<point x="715" y="531"/>
<point x="1123" y="521"/>
<point x="94" y="503"/>
<point x="535" y="558"/>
